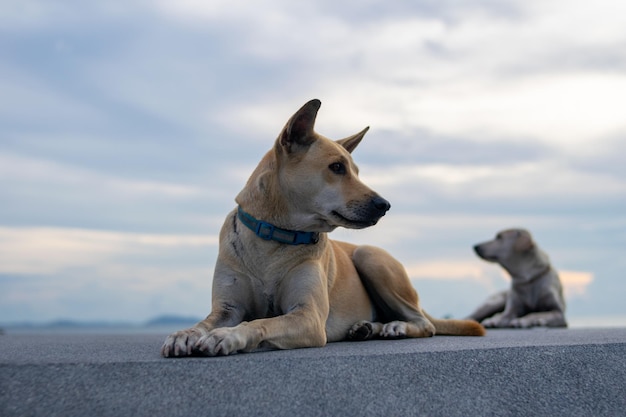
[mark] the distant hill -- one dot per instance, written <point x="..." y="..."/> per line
<point x="64" y="324"/>
<point x="172" y="321"/>
<point x="164" y="321"/>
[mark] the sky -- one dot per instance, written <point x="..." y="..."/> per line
<point x="128" y="127"/>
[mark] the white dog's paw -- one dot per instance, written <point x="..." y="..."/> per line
<point x="490" y="322"/>
<point x="394" y="329"/>
<point x="181" y="343"/>
<point x="527" y="322"/>
<point x="496" y="321"/>
<point x="222" y="341"/>
<point x="519" y="323"/>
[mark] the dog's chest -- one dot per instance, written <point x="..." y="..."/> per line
<point x="533" y="297"/>
<point x="270" y="309"/>
<point x="267" y="268"/>
<point x="266" y="297"/>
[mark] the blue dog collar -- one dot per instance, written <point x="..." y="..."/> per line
<point x="268" y="231"/>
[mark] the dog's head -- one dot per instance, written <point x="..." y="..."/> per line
<point x="507" y="244"/>
<point x="516" y="251"/>
<point x="318" y="180"/>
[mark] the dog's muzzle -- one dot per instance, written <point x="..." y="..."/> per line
<point x="480" y="251"/>
<point x="371" y="212"/>
<point x="361" y="214"/>
<point x="379" y="206"/>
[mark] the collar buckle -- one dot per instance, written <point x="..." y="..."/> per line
<point x="264" y="230"/>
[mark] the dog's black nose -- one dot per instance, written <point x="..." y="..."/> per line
<point x="381" y="204"/>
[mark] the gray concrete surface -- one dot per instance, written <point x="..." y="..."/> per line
<point x="540" y="372"/>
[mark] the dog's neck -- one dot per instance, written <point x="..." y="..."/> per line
<point x="525" y="280"/>
<point x="266" y="206"/>
<point x="539" y="265"/>
<point x="260" y="197"/>
<point x="268" y="231"/>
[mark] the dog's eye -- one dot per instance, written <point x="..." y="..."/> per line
<point x="337" y="168"/>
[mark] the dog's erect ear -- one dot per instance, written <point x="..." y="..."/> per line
<point x="299" y="129"/>
<point x="524" y="241"/>
<point x="351" y="142"/>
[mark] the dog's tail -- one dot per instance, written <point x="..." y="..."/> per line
<point x="452" y="327"/>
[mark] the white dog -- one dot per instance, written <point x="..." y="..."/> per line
<point x="536" y="295"/>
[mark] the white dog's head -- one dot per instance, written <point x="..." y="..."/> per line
<point x="507" y="244"/>
<point x="517" y="252"/>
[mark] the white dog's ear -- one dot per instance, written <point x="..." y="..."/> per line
<point x="298" y="132"/>
<point x="351" y="142"/>
<point x="524" y="241"/>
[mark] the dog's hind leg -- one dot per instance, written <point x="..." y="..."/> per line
<point x="396" y="300"/>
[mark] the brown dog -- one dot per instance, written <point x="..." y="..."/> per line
<point x="280" y="282"/>
<point x="536" y="296"/>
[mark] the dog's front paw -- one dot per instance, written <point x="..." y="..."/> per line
<point x="181" y="343"/>
<point x="222" y="341"/>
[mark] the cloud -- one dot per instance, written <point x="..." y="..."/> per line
<point x="30" y="100"/>
<point x="35" y="170"/>
<point x="469" y="75"/>
<point x="48" y="273"/>
<point x="576" y="283"/>
<point x="525" y="180"/>
<point x="455" y="270"/>
<point x="149" y="116"/>
<point x="566" y="111"/>
<point x="472" y="77"/>
<point x="48" y="250"/>
<point x="131" y="293"/>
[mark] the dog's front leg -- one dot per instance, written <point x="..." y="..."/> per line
<point x="303" y="297"/>
<point x="513" y="309"/>
<point x="231" y="300"/>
